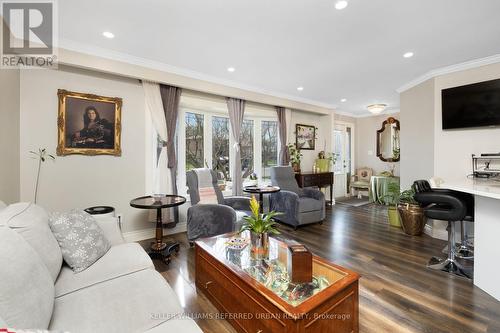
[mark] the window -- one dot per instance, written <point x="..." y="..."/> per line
<point x="339" y="144"/>
<point x="220" y="146"/>
<point x="194" y="140"/>
<point x="204" y="139"/>
<point x="246" y="148"/>
<point x="269" y="134"/>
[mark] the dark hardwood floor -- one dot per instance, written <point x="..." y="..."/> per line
<point x="397" y="292"/>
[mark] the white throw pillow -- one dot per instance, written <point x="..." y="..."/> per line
<point x="81" y="239"/>
<point x="26" y="287"/>
<point x="32" y="223"/>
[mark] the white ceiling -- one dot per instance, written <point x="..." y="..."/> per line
<point x="279" y="45"/>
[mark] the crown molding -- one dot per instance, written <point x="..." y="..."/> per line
<point x="156" y="65"/>
<point x="450" y="69"/>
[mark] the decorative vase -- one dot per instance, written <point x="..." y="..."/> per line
<point x="259" y="242"/>
<point x="412" y="219"/>
<point x="393" y="215"/>
<point x="296" y="167"/>
<point x="323" y="164"/>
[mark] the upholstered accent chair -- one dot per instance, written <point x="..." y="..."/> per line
<point x="361" y="181"/>
<point x="210" y="213"/>
<point x="299" y="205"/>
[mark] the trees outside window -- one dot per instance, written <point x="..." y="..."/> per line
<point x="194" y="140"/>
<point x="220" y="146"/>
<point x="246" y="148"/>
<point x="269" y="134"/>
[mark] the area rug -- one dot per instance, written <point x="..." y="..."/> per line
<point x="353" y="201"/>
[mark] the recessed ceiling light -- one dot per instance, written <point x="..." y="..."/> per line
<point x="343" y="100"/>
<point x="408" y="54"/>
<point x="341" y="4"/>
<point x="108" y="34"/>
<point x="300" y="88"/>
<point x="231" y="69"/>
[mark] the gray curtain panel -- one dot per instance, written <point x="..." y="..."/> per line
<point x="284" y="157"/>
<point x="236" y="108"/>
<point x="170" y="97"/>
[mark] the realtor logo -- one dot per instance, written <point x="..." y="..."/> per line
<point x="28" y="34"/>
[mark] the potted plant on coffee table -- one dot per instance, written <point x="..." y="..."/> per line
<point x="260" y="226"/>
<point x="412" y="215"/>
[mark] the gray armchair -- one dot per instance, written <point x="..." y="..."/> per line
<point x="211" y="219"/>
<point x="299" y="205"/>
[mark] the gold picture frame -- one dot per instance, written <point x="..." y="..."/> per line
<point x="88" y="124"/>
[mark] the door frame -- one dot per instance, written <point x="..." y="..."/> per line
<point x="353" y="146"/>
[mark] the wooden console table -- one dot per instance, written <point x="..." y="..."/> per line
<point x="232" y="280"/>
<point x="320" y="179"/>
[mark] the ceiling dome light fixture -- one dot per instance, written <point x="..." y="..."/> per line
<point x="341" y="4"/>
<point x="376" y="108"/>
<point x="108" y="34"/>
<point x="408" y="54"/>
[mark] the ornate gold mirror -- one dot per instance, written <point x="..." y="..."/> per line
<point x="388" y="141"/>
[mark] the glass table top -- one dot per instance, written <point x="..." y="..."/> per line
<point x="271" y="270"/>
<point x="158" y="201"/>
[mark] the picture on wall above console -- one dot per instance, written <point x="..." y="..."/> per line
<point x="305" y="137"/>
<point x="88" y="124"/>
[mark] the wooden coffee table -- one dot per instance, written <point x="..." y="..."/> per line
<point x="254" y="295"/>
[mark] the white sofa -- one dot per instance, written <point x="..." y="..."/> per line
<point x="121" y="292"/>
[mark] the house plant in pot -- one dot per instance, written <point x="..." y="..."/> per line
<point x="412" y="215"/>
<point x="259" y="226"/>
<point x="391" y="199"/>
<point x="295" y="156"/>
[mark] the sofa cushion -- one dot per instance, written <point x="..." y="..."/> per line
<point x="81" y="239"/>
<point x="127" y="304"/>
<point x="31" y="222"/>
<point x="309" y="205"/>
<point x="181" y="324"/>
<point x="118" y="261"/>
<point x="2" y="205"/>
<point x="26" y="287"/>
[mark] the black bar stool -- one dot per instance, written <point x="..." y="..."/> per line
<point x="451" y="206"/>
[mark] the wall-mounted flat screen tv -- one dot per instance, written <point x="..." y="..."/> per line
<point x="473" y="105"/>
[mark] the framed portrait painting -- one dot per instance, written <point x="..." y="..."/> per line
<point x="305" y="137"/>
<point x="88" y="124"/>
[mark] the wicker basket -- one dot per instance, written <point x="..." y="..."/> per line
<point x="412" y="219"/>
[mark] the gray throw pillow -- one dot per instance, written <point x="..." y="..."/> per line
<point x="81" y="240"/>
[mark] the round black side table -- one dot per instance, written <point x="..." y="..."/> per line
<point x="160" y="249"/>
<point x="261" y="191"/>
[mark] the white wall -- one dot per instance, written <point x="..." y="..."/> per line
<point x="417" y="133"/>
<point x="75" y="181"/>
<point x="9" y="135"/>
<point x="324" y="133"/>
<point x="366" y="143"/>
<point x="453" y="148"/>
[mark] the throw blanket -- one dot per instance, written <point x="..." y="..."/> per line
<point x="206" y="187"/>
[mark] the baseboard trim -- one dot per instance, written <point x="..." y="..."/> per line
<point x="149" y="233"/>
<point x="435" y="233"/>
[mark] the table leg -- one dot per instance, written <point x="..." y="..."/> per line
<point x="160" y="249"/>
<point x="261" y="203"/>
<point x="331" y="193"/>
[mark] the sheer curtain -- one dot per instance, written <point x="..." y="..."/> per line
<point x="154" y="105"/>
<point x="162" y="180"/>
<point x="236" y="108"/>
